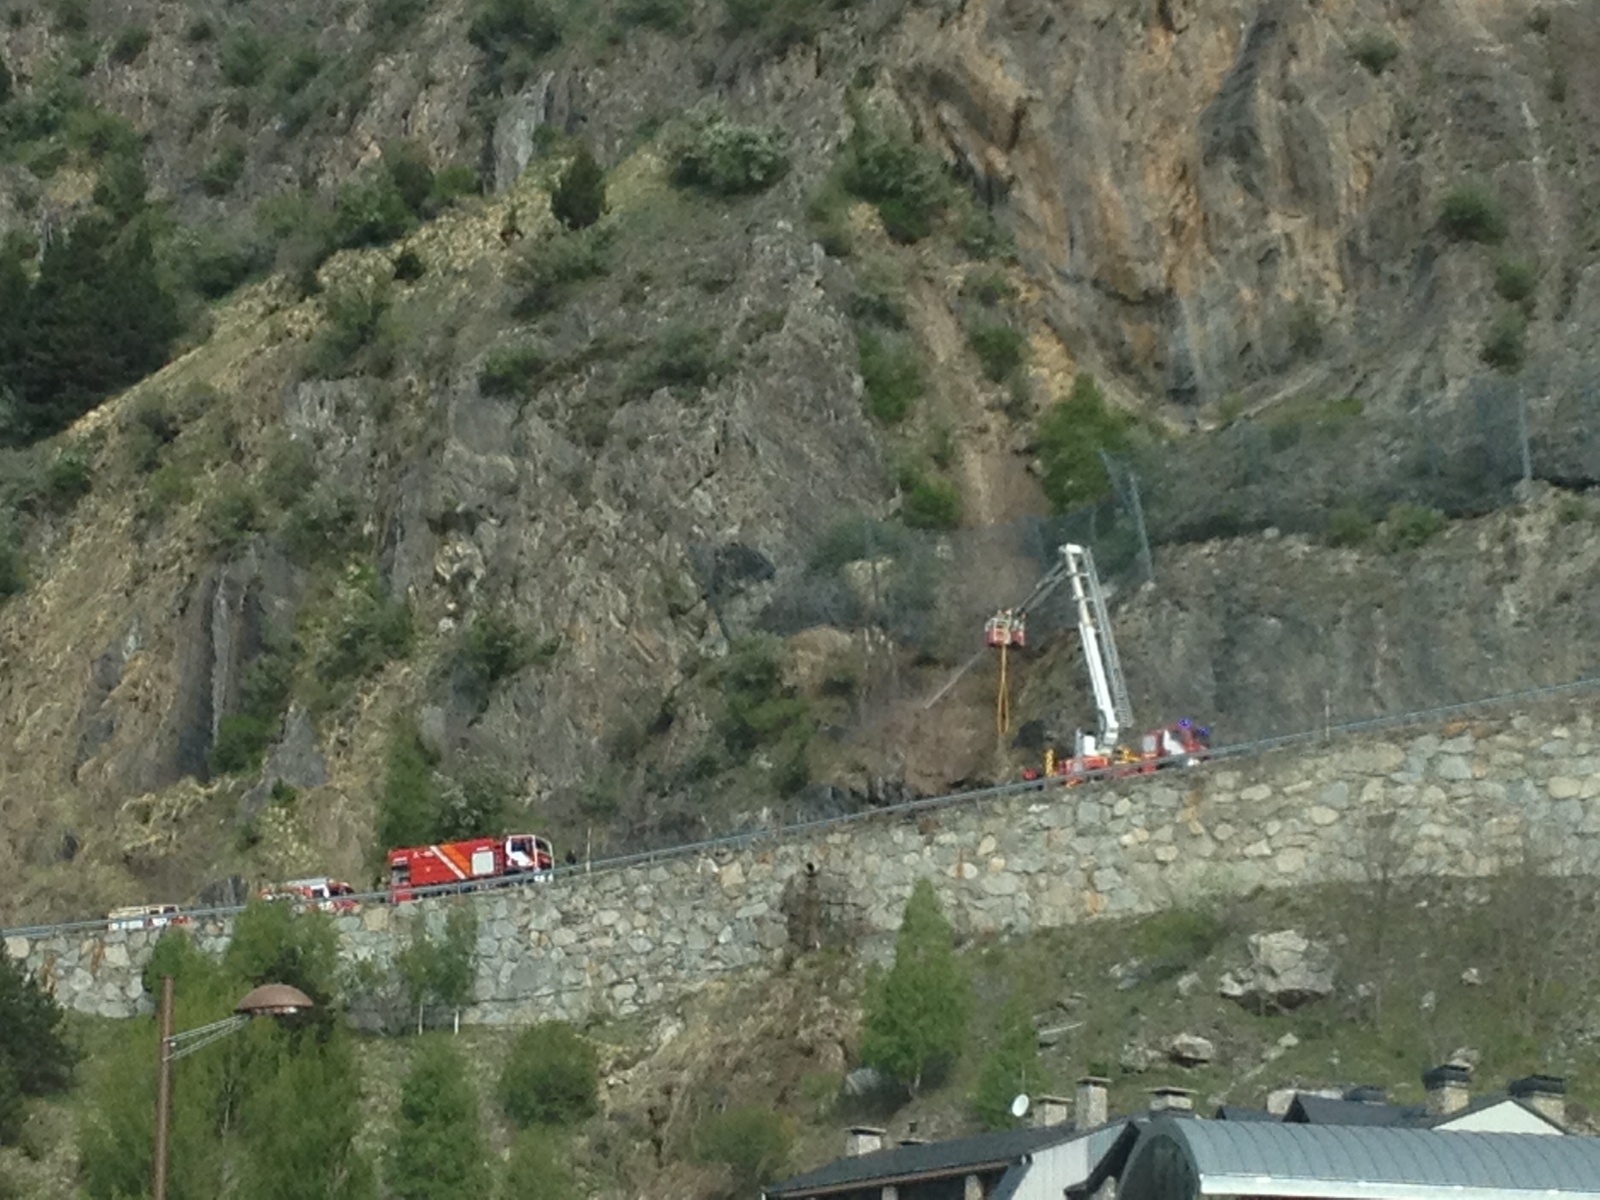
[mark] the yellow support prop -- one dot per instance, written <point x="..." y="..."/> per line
<point x="1002" y="704"/>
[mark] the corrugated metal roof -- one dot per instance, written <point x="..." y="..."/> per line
<point x="932" y="1158"/>
<point x="1257" y="1158"/>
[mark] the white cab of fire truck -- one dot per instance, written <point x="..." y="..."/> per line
<point x="528" y="852"/>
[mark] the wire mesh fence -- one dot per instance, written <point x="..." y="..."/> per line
<point x="1328" y="469"/>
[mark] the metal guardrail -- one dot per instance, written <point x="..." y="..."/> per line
<point x="736" y="841"/>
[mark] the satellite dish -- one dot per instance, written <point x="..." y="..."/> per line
<point x="1019" y="1106"/>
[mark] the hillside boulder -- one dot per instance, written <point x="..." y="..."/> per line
<point x="1286" y="970"/>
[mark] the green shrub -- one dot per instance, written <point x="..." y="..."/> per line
<point x="409" y="267"/>
<point x="1505" y="346"/>
<point x="171" y="487"/>
<point x="878" y="297"/>
<point x="891" y="373"/>
<point x="1001" y="348"/>
<point x="1304" y="329"/>
<point x="1470" y="214"/>
<point x="684" y="358"/>
<point x="302" y="66"/>
<point x="989" y="287"/>
<point x="779" y="24"/>
<point x="371" y="212"/>
<point x="70" y="16"/>
<point x="980" y="235"/>
<point x="223" y="169"/>
<point x="240" y="744"/>
<point x="718" y="156"/>
<point x="232" y="514"/>
<point x="289" y="473"/>
<point x="391" y="18"/>
<point x="13" y="578"/>
<point x="129" y="44"/>
<point x="753" y="1143"/>
<point x="368" y="629"/>
<point x="349" y="341"/>
<point x="199" y="29"/>
<point x="323" y="525"/>
<point x="1071" y="435"/>
<point x="1516" y="279"/>
<point x="244" y="57"/>
<point x="1176" y="940"/>
<point x="452" y="182"/>
<point x="828" y="211"/>
<point x="68" y="477"/>
<point x="1375" y="51"/>
<point x="546" y="272"/>
<point x="580" y="197"/>
<point x="1348" y="526"/>
<point x="513" y="371"/>
<point x="407" y="165"/>
<point x="550" y="1077"/>
<point x="512" y="34"/>
<point x="906" y="182"/>
<point x="1409" y="526"/>
<point x="490" y="649"/>
<point x="437" y="1149"/>
<point x="931" y="503"/>
<point x="669" y="16"/>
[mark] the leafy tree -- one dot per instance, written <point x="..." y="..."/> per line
<point x="274" y="943"/>
<point x="438" y="1151"/>
<point x="299" y="1129"/>
<point x="372" y="212"/>
<point x="441" y="973"/>
<point x="916" y="1014"/>
<point x="580" y="198"/>
<point x="551" y="1076"/>
<point x="34" y="1057"/>
<point x="408" y="168"/>
<point x="5" y="81"/>
<point x="1012" y="1067"/>
<point x="1071" y="436"/>
<point x="538" y="1167"/>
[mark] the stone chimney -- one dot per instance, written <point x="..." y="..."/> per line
<point x="1545" y="1094"/>
<point x="1171" y="1100"/>
<point x="1448" y="1088"/>
<point x="1091" y="1105"/>
<point x="911" y="1138"/>
<point x="1050" y="1110"/>
<point x="862" y="1139"/>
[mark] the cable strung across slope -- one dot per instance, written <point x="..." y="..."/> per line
<point x="779" y="832"/>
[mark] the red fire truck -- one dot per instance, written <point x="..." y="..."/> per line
<point x="322" y="893"/>
<point x="514" y="858"/>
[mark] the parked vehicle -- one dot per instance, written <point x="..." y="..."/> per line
<point x="145" y="916"/>
<point x="321" y="893"/>
<point x="471" y="862"/>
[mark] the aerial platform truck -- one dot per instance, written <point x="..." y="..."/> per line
<point x="1182" y="743"/>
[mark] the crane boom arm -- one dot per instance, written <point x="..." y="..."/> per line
<point x="1110" y="689"/>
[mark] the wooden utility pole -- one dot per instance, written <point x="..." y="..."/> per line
<point x="163" y="1090"/>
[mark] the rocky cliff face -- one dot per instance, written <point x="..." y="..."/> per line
<point x="1215" y="205"/>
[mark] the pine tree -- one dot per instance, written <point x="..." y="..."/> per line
<point x="1012" y="1067"/>
<point x="916" y="1018"/>
<point x="580" y="197"/>
<point x="438" y="1151"/>
<point x="34" y="1057"/>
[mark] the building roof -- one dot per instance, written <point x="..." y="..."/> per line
<point x="1320" y="1110"/>
<point x="1342" y="1162"/>
<point x="984" y="1150"/>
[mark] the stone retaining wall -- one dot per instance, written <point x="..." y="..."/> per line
<point x="1464" y="801"/>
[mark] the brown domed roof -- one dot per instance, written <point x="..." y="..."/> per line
<point x="274" y="999"/>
